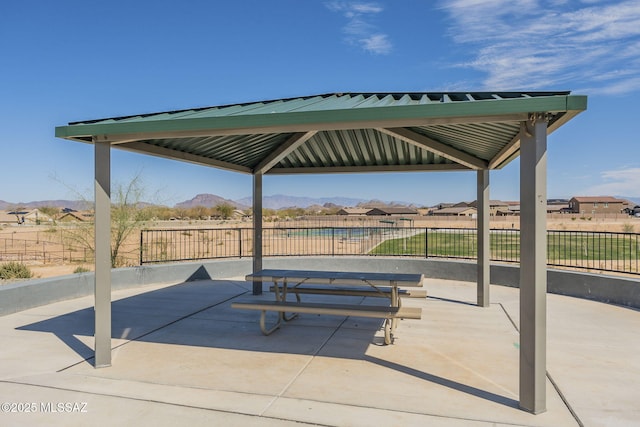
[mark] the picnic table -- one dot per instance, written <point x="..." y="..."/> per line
<point x="340" y="283"/>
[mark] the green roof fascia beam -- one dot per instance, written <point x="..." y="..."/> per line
<point x="348" y="118"/>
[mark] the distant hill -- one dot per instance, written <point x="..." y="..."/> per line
<point x="380" y="204"/>
<point x="280" y="201"/>
<point x="78" y="205"/>
<point x="635" y="200"/>
<point x="210" y="201"/>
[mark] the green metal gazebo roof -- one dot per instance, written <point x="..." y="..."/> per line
<point x="340" y="132"/>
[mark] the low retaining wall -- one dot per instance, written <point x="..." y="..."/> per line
<point x="33" y="293"/>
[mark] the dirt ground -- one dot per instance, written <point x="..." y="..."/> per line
<point x="41" y="271"/>
<point x="41" y="238"/>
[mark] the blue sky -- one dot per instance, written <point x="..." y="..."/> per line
<point x="71" y="60"/>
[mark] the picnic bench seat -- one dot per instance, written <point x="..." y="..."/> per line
<point x="381" y="291"/>
<point x="372" y="311"/>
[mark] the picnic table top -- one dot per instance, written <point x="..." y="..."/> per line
<point x="404" y="279"/>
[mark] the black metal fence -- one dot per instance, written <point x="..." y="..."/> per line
<point x="42" y="251"/>
<point x="194" y="244"/>
<point x="603" y="251"/>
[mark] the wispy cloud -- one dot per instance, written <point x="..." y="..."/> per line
<point x="551" y="44"/>
<point x="621" y="182"/>
<point x="360" y="29"/>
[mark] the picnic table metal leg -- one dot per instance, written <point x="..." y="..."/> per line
<point x="395" y="302"/>
<point x="263" y="323"/>
<point x="284" y="299"/>
<point x="388" y="335"/>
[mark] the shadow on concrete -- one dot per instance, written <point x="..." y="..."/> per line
<point x="137" y="316"/>
<point x="474" y="391"/>
<point x="452" y="301"/>
<point x="198" y="313"/>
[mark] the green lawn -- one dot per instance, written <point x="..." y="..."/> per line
<point x="584" y="246"/>
<point x="505" y="245"/>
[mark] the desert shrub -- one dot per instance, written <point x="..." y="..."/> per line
<point x="627" y="228"/>
<point x="81" y="269"/>
<point x="14" y="270"/>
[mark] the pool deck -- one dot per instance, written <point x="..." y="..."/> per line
<point x="183" y="356"/>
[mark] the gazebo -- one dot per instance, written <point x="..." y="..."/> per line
<point x="359" y="133"/>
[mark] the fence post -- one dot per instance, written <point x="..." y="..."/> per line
<point x="240" y="241"/>
<point x="333" y="242"/>
<point x="426" y="242"/>
<point x="141" y="231"/>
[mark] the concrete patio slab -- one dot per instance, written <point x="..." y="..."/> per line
<point x="183" y="355"/>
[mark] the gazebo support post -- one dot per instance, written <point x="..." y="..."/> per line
<point x="533" y="259"/>
<point x="102" y="287"/>
<point x="257" y="231"/>
<point x="484" y="250"/>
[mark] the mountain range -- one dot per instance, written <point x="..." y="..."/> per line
<point x="277" y="201"/>
<point x="77" y="205"/>
<point x="280" y="201"/>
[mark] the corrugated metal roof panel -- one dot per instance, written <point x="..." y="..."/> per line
<point x="476" y="139"/>
<point x="329" y="102"/>
<point x="342" y="131"/>
<point x="358" y="147"/>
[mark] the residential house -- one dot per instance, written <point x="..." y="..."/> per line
<point x="557" y="208"/>
<point x="596" y="205"/>
<point x="496" y="207"/>
<point x="444" y="205"/>
<point x="70" y="215"/>
<point x="353" y="211"/>
<point x="24" y="216"/>
<point x="513" y="210"/>
<point x="391" y="212"/>
<point x="456" y="211"/>
<point x="462" y="205"/>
